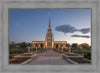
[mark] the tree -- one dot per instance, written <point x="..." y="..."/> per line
<point x="87" y="55"/>
<point x="89" y="48"/>
<point x="12" y="42"/>
<point x="56" y="45"/>
<point x="12" y="45"/>
<point x="23" y="45"/>
<point x="41" y="45"/>
<point x="61" y="47"/>
<point x="68" y="45"/>
<point x="29" y="44"/>
<point x="74" y="45"/>
<point x="79" y="47"/>
<point x="36" y="47"/>
<point x="85" y="46"/>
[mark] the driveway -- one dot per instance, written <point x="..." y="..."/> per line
<point x="49" y="57"/>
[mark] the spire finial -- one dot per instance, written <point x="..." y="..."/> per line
<point x="49" y="19"/>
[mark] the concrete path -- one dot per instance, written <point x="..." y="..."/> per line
<point x="49" y="57"/>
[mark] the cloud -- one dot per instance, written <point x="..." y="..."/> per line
<point x="84" y="30"/>
<point x="82" y="36"/>
<point x="67" y="28"/>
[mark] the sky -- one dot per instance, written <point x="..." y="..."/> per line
<point x="71" y="25"/>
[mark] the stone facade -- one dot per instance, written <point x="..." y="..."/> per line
<point x="49" y="40"/>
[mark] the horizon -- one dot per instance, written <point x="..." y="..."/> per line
<point x="71" y="25"/>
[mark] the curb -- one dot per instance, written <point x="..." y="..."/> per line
<point x="27" y="61"/>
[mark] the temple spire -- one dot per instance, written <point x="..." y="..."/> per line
<point x="49" y="20"/>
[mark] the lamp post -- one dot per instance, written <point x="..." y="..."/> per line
<point x="61" y="49"/>
<point x="28" y="49"/>
<point x="31" y="49"/>
<point x="69" y="50"/>
<point x="36" y="48"/>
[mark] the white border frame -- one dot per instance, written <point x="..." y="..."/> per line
<point x="6" y="4"/>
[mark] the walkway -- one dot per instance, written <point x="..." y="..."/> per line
<point x="49" y="57"/>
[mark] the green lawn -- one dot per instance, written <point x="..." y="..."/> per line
<point x="82" y="50"/>
<point x="18" y="50"/>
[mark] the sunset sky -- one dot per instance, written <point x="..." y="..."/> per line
<point x="71" y="25"/>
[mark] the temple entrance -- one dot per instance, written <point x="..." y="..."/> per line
<point x="49" y="47"/>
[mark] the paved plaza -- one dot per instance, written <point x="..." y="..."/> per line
<point x="49" y="57"/>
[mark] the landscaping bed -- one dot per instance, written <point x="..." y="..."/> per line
<point x="75" y="59"/>
<point x="72" y="54"/>
<point x="17" y="51"/>
<point x="23" y="59"/>
<point x="80" y="60"/>
<point x="27" y="54"/>
<point x="11" y="56"/>
<point x="81" y="51"/>
<point x="18" y="61"/>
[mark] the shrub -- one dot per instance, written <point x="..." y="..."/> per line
<point x="34" y="49"/>
<point x="87" y="55"/>
<point x="11" y="56"/>
<point x="65" y="50"/>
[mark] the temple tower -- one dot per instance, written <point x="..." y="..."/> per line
<point x="49" y="39"/>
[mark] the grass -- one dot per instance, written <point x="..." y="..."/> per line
<point x="18" y="51"/>
<point x="81" y="50"/>
<point x="87" y="53"/>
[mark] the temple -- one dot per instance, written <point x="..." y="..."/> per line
<point x="49" y="40"/>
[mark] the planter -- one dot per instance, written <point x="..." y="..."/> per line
<point x="26" y="55"/>
<point x="33" y="57"/>
<point x="18" y="61"/>
<point x="81" y="61"/>
<point x="23" y="59"/>
<point x="73" y="56"/>
<point x="69" y="60"/>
